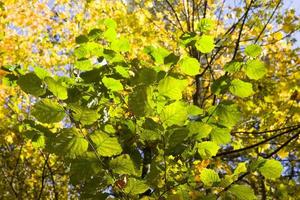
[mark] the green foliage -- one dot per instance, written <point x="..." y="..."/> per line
<point x="172" y="87"/>
<point x="255" y="69"/>
<point x="241" y="88"/>
<point x="207" y="149"/>
<point x="189" y="66"/>
<point x="48" y="111"/>
<point x="242" y="192"/>
<point x="253" y="50"/>
<point x="56" y="88"/>
<point x="209" y="177"/>
<point x="205" y="44"/>
<point x="132" y="125"/>
<point x="174" y="114"/>
<point x="106" y="145"/>
<point x="271" y="169"/>
<point x="31" y="84"/>
<point x="112" y="84"/>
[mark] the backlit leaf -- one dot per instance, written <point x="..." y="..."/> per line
<point x="48" y="111"/>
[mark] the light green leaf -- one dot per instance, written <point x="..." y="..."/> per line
<point x="83" y="65"/>
<point x="48" y="111"/>
<point x="112" y="84"/>
<point x="135" y="186"/>
<point x="106" y="145"/>
<point x="233" y="67"/>
<point x="240" y="88"/>
<point x="241" y="168"/>
<point x="56" y="88"/>
<point x="120" y="45"/>
<point x="207" y="149"/>
<point x="81" y="52"/>
<point x="271" y="169"/>
<point x="123" y="165"/>
<point x="205" y="25"/>
<point x="158" y="54"/>
<point x="242" y="192"/>
<point x="70" y="143"/>
<point x="220" y="135"/>
<point x="172" y="87"/>
<point x="194" y="110"/>
<point x="253" y="50"/>
<point x="209" y="177"/>
<point x="205" y="44"/>
<point x="110" y="34"/>
<point x="110" y="23"/>
<point x="174" y="114"/>
<point x="255" y="69"/>
<point x="84" y="115"/>
<point x="31" y="84"/>
<point x="41" y="72"/>
<point x="124" y="72"/>
<point x="189" y="66"/>
<point x="201" y="129"/>
<point x="228" y="114"/>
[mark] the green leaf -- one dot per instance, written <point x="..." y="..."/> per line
<point x="220" y="135"/>
<point x="255" y="69"/>
<point x="209" y="177"/>
<point x="228" y="114"/>
<point x="241" y="168"/>
<point x="106" y="145"/>
<point x="140" y="101"/>
<point x="41" y="72"/>
<point x="174" y="114"/>
<point x="271" y="169"/>
<point x="201" y="129"/>
<point x="205" y="44"/>
<point x="112" y="84"/>
<point x="158" y="54"/>
<point x="172" y="87"/>
<point x="242" y="192"/>
<point x="81" y="39"/>
<point x="31" y="84"/>
<point x="120" y="45"/>
<point x="123" y="165"/>
<point x="110" y="23"/>
<point x="220" y="86"/>
<point x="124" y="72"/>
<point x="110" y="34"/>
<point x="81" y="52"/>
<point x="253" y="50"/>
<point x="194" y="110"/>
<point x="240" y="88"/>
<point x="233" y="66"/>
<point x="135" y="186"/>
<point x="83" y="65"/>
<point x="37" y="138"/>
<point x="56" y="88"/>
<point x="207" y="149"/>
<point x="205" y="25"/>
<point x="84" y="115"/>
<point x="70" y="143"/>
<point x="189" y="66"/>
<point x="48" y="111"/>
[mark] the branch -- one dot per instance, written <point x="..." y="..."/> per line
<point x="283" y="145"/>
<point x="237" y="44"/>
<point x="267" y="131"/>
<point x="176" y="16"/>
<point x="43" y="178"/>
<point x="254" y="145"/>
<point x="265" y="26"/>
